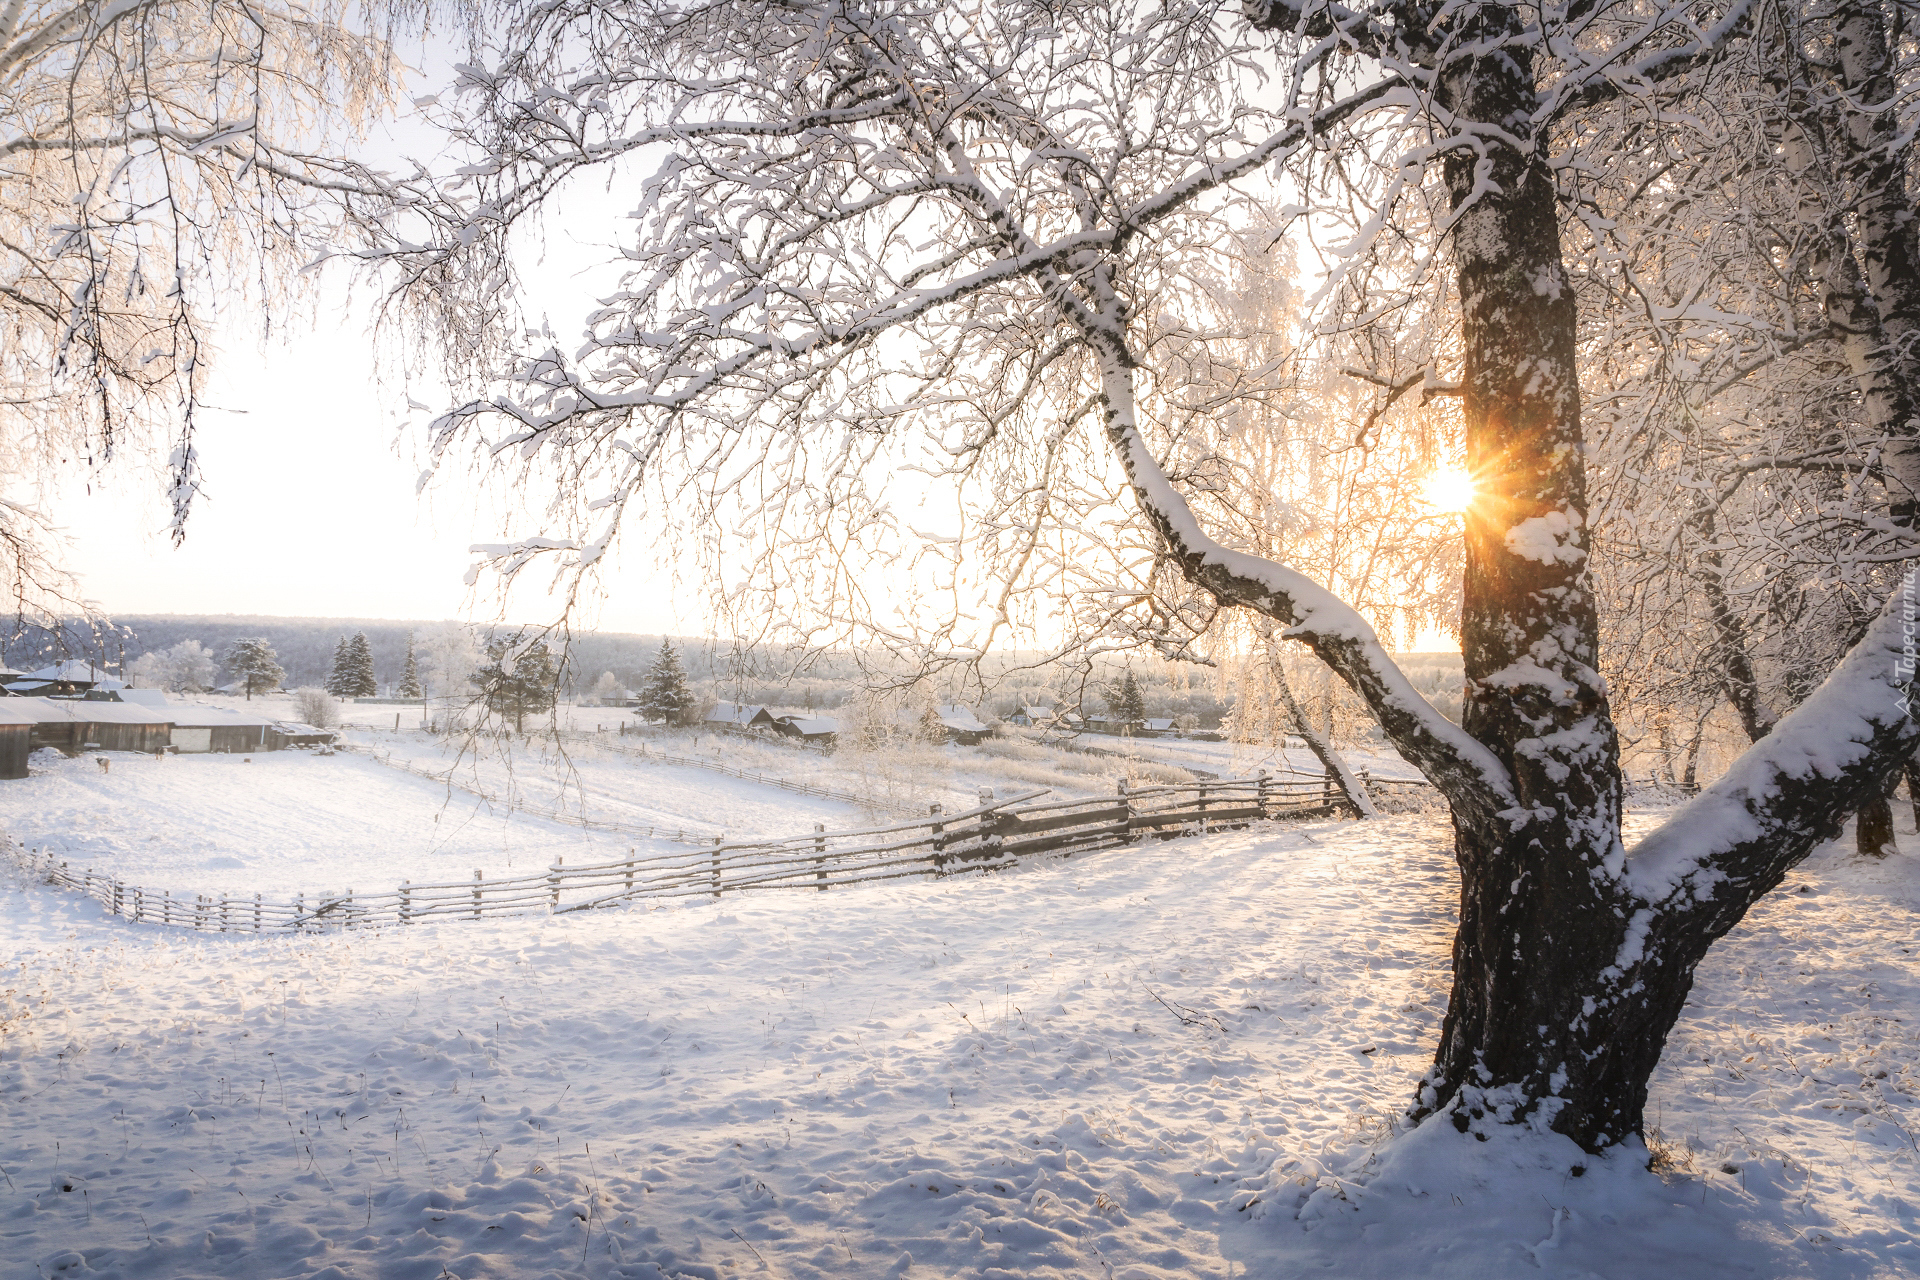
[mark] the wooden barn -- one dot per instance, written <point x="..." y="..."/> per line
<point x="16" y="739"/>
<point x="197" y="729"/>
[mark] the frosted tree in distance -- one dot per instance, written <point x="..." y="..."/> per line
<point x="357" y="677"/>
<point x="410" y="674"/>
<point x="340" y="676"/>
<point x="665" y="696"/>
<point x="518" y="680"/>
<point x="1125" y="705"/>
<point x="254" y="665"/>
<point x="967" y="224"/>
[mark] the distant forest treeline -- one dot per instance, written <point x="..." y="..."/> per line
<point x="716" y="669"/>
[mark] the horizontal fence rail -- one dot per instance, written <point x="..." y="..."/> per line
<point x="989" y="836"/>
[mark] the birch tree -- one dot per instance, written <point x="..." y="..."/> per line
<point x="157" y="158"/>
<point x="871" y="226"/>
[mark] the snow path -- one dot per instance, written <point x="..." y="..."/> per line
<point x="959" y="1078"/>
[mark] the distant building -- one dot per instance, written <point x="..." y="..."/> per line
<point x="1029" y="716"/>
<point x="739" y="715"/>
<point x="62" y="679"/>
<point x="201" y="729"/>
<point x="820" y="731"/>
<point x="963" y="726"/>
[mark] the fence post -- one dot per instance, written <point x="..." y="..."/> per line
<point x="1126" y="800"/>
<point x="1260" y="791"/>
<point x="346" y="908"/>
<point x="1203" y="808"/>
<point x="119" y="894"/>
<point x="553" y="884"/>
<point x="939" y="841"/>
<point x="300" y="910"/>
<point x="476" y="893"/>
<point x="224" y="902"/>
<point x="256" y="913"/>
<point x="1326" y="790"/>
<point x="820" y="852"/>
<point x="406" y="914"/>
<point x="139" y="903"/>
<point x="716" y="863"/>
<point x="630" y="854"/>
<point x="199" y="911"/>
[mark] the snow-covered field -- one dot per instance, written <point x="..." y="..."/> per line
<point x="1181" y="1059"/>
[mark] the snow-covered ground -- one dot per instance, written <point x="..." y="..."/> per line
<point x="1173" y="1060"/>
<point x="282" y="822"/>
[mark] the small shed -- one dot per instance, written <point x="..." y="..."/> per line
<point x="16" y="739"/>
<point x="739" y="715"/>
<point x="291" y="733"/>
<point x="198" y="729"/>
<point x="1156" y="725"/>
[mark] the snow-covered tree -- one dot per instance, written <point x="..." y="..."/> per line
<point x="409" y="686"/>
<point x="518" y="679"/>
<point x="1125" y="704"/>
<point x="156" y="158"/>
<point x="607" y="690"/>
<point x="339" y="672"/>
<point x="358" y="676"/>
<point x="253" y="664"/>
<point x="449" y="657"/>
<point x="664" y="695"/>
<point x="965" y="227"/>
<point x="187" y="667"/>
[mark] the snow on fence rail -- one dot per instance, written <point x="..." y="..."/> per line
<point x="994" y="834"/>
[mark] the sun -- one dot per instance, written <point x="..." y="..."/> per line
<point x="1450" y="489"/>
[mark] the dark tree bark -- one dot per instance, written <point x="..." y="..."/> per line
<point x="1570" y="966"/>
<point x="1873" y="828"/>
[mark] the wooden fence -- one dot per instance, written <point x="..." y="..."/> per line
<point x="992" y="835"/>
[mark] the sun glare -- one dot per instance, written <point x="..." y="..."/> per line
<point x="1448" y="489"/>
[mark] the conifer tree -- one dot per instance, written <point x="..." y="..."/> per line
<point x="666" y="695"/>
<point x="410" y="674"/>
<point x="255" y="665"/>
<point x="528" y="686"/>
<point x="339" y="674"/>
<point x="359" y="668"/>
<point x="1126" y="705"/>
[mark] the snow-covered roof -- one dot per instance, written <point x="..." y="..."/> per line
<point x="73" y="671"/>
<point x="808" y="726"/>
<point x="295" y="729"/>
<point x="1160" y="725"/>
<point x="11" y="712"/>
<point x="75" y="711"/>
<point x="145" y="697"/>
<point x="736" y="713"/>
<point x="1037" y="713"/>
<point x="192" y="717"/>
<point x="960" y="718"/>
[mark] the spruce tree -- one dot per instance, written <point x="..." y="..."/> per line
<point x="665" y="695"/>
<point x="528" y="686"/>
<point x="339" y="674"/>
<point x="1126" y="705"/>
<point x="410" y="674"/>
<point x="254" y="664"/>
<point x="360" y="681"/>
